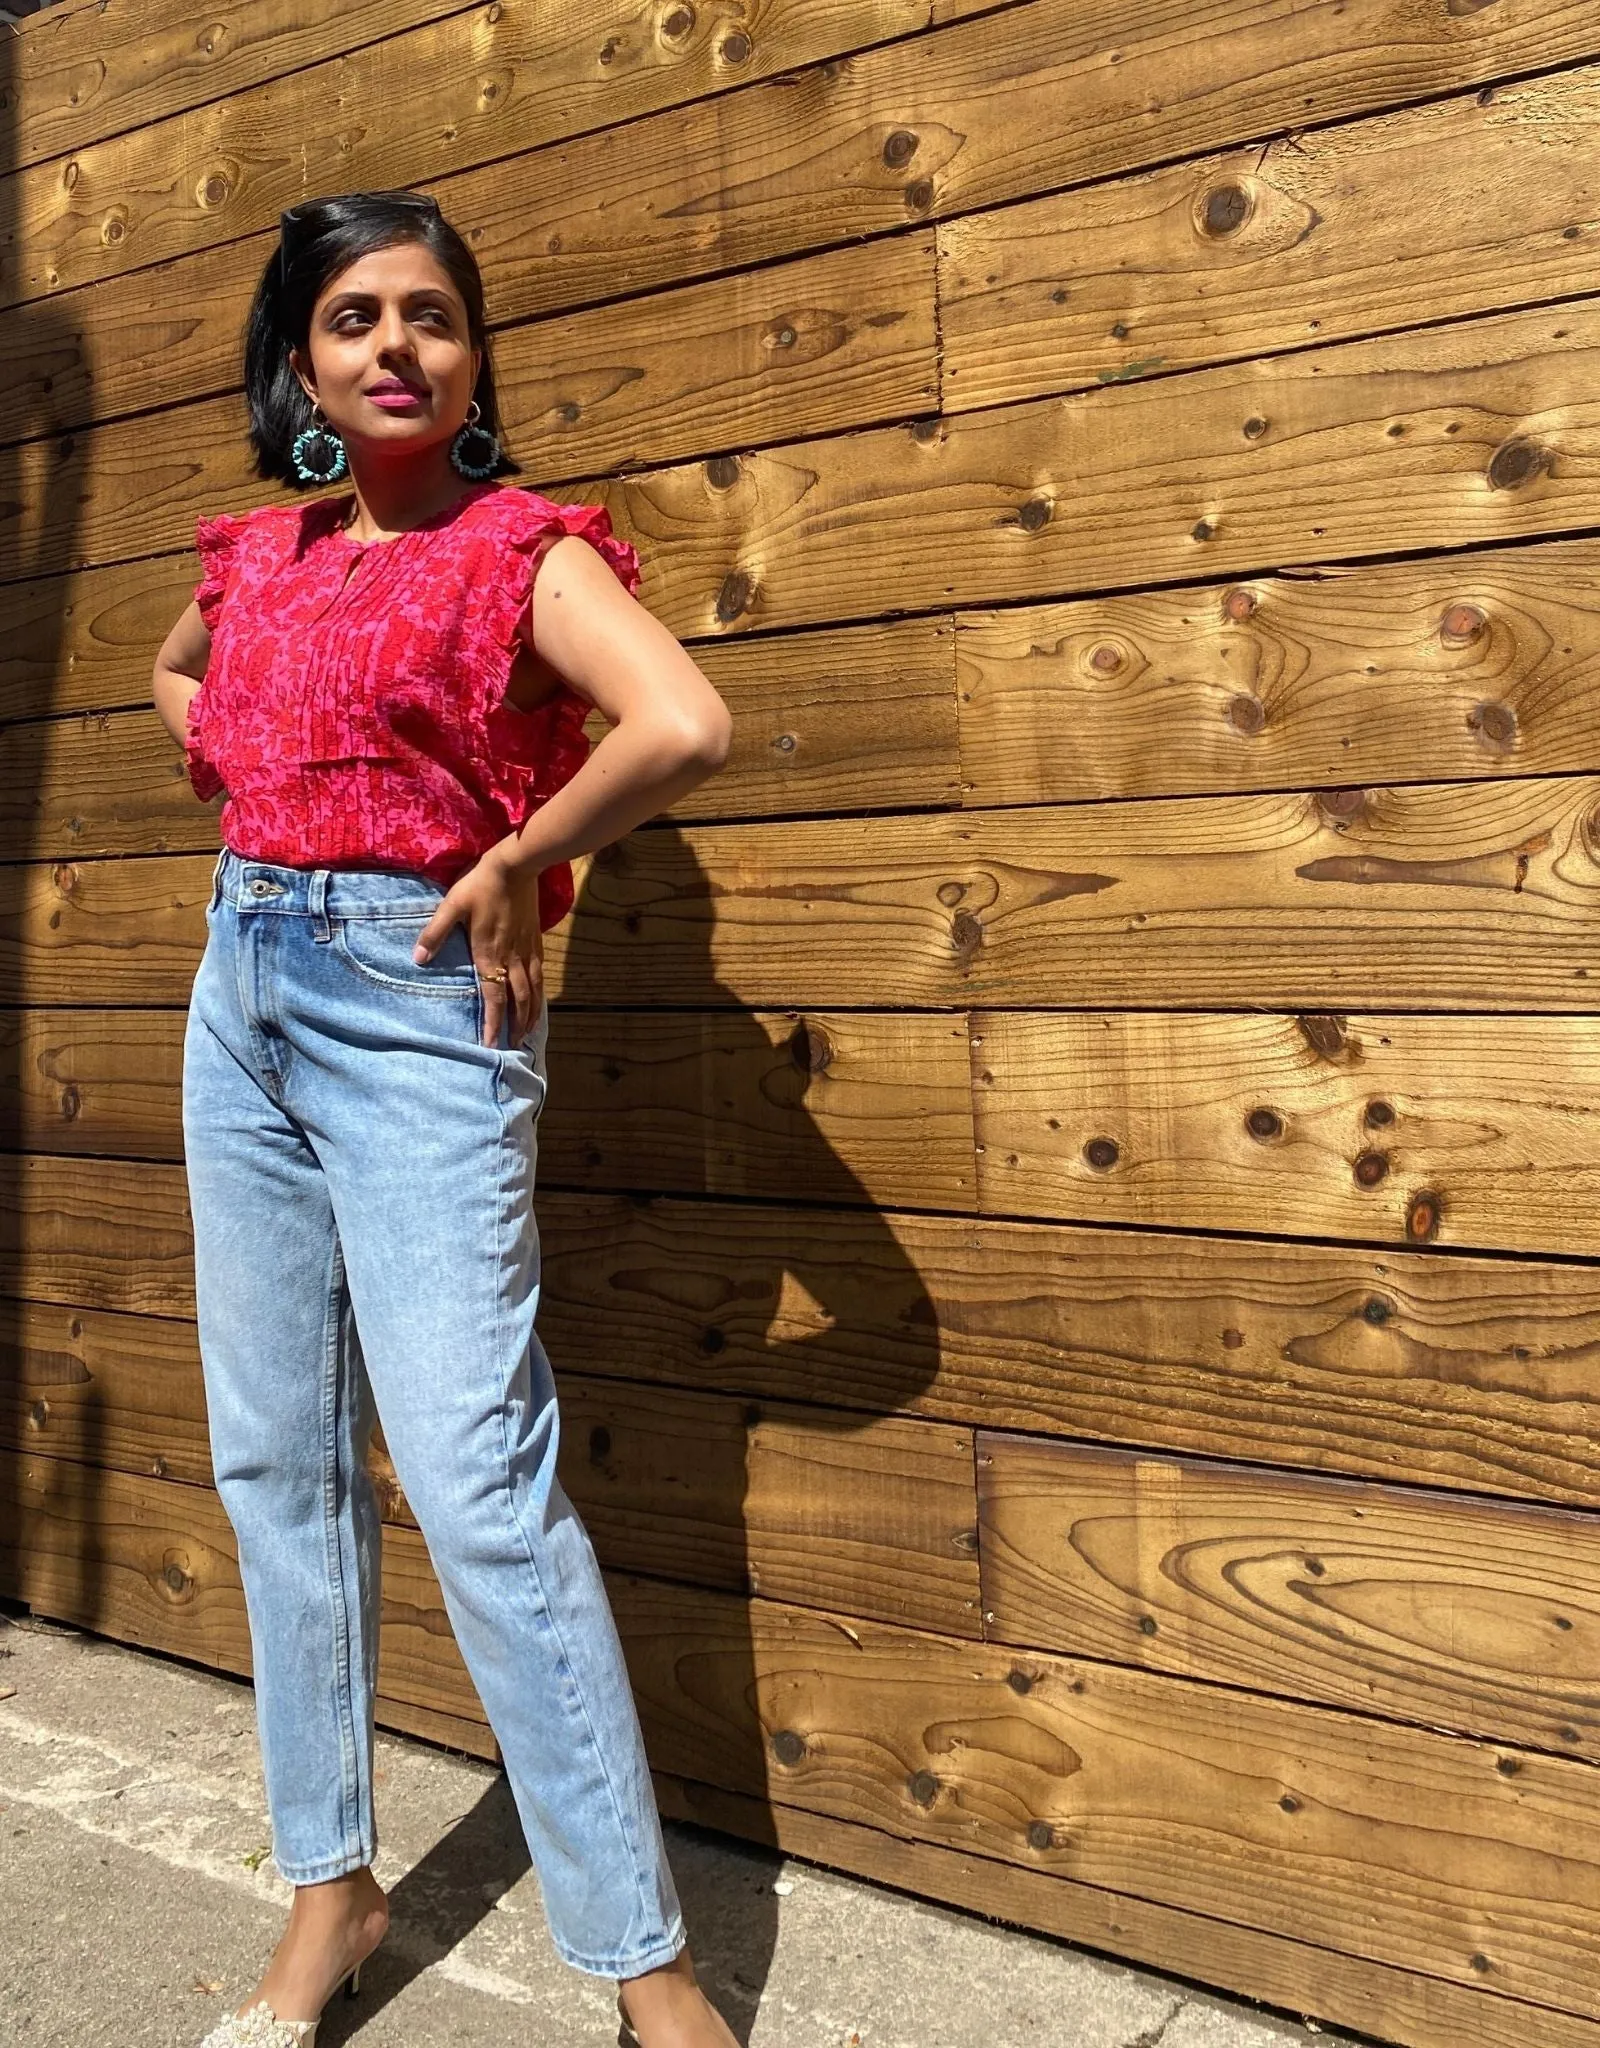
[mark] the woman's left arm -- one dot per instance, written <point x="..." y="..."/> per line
<point x="669" y="728"/>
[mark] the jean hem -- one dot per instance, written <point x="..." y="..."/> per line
<point x="635" y="1965"/>
<point x="319" y="1873"/>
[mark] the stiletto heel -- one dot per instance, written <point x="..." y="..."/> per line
<point x="352" y="1983"/>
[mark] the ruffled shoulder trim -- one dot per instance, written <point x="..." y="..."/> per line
<point x="533" y="524"/>
<point x="216" y="540"/>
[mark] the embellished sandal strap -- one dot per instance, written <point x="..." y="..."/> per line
<point x="259" y="2028"/>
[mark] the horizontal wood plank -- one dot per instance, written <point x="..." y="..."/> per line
<point x="828" y="1506"/>
<point x="1330" y="1988"/>
<point x="155" y="1563"/>
<point x="470" y="87"/>
<point x="862" y="718"/>
<point x="1472" y="666"/>
<point x="1412" y="1604"/>
<point x="77" y="73"/>
<point x="1428" y="896"/>
<point x="1478" y="431"/>
<point x="1479" y="1374"/>
<point x="798" y="159"/>
<point x="827" y="342"/>
<point x="1400" y="1845"/>
<point x="1460" y="1130"/>
<point x="872" y="1107"/>
<point x="1309" y="237"/>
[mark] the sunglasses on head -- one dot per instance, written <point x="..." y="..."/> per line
<point x="293" y="221"/>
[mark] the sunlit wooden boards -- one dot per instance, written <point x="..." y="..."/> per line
<point x="1306" y="1822"/>
<point x="1281" y="1970"/>
<point x="1434" y="896"/>
<point x="1478" y="665"/>
<point x="1421" y="1367"/>
<point x="1301" y="238"/>
<point x="1068" y="1181"/>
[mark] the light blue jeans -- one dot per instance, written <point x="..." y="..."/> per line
<point x="360" y="1170"/>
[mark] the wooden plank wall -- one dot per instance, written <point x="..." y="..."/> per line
<point x="1069" y="1186"/>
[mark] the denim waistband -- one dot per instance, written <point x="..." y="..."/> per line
<point x="265" y="885"/>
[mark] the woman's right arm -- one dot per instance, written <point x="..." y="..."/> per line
<point x="179" y="671"/>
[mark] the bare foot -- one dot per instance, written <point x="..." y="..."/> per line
<point x="667" y="2009"/>
<point x="332" y="1927"/>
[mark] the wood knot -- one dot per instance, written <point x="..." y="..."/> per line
<point x="1324" y="1034"/>
<point x="1423" y="1215"/>
<point x="1264" y="1124"/>
<point x="1224" y="210"/>
<point x="1238" y="604"/>
<point x="1517" y="462"/>
<point x="1461" y="622"/>
<point x="810" y="1047"/>
<point x="1493" y="722"/>
<point x="733" y="599"/>
<point x="1101" y="1153"/>
<point x="722" y="471"/>
<point x="787" y="1746"/>
<point x="899" y="147"/>
<point x="1034" y="514"/>
<point x="1246" y="713"/>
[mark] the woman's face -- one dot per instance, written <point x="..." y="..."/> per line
<point x="390" y="319"/>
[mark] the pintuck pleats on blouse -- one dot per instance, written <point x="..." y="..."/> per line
<point x="354" y="707"/>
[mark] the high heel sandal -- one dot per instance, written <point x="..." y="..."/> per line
<point x="260" y="2027"/>
<point x="627" y="2038"/>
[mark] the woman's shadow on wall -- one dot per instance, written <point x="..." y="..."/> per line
<point x="731" y="1319"/>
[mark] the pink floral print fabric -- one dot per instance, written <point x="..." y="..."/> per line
<point x="353" y="709"/>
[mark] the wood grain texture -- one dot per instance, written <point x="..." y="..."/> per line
<point x="868" y="144"/>
<point x="155" y="1563"/>
<point x="1433" y="896"/>
<point x="1479" y="431"/>
<point x="828" y="342"/>
<point x="1478" y="665"/>
<point x="466" y="89"/>
<point x="1457" y="1130"/>
<point x="1482" y="430"/>
<point x="859" y="719"/>
<point x="1311" y="236"/>
<point x="867" y="1107"/>
<point x="824" y="1505"/>
<point x="1416" y="1605"/>
<point x="78" y="71"/>
<point x="1479" y="1374"/>
<point x="1401" y="1845"/>
<point x="1329" y="1988"/>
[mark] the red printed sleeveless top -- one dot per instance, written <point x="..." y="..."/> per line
<point x="354" y="708"/>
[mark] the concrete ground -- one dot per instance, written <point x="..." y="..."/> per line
<point x="138" y="1902"/>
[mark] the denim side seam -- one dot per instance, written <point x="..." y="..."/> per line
<point x="338" y="1593"/>
<point x="610" y="1965"/>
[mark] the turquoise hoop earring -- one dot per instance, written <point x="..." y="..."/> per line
<point x="459" y="458"/>
<point x="324" y="448"/>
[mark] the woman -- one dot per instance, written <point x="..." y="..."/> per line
<point x="395" y="680"/>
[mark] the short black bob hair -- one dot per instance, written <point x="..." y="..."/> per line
<point x="317" y="239"/>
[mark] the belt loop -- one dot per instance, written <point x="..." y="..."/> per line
<point x="216" y="880"/>
<point x="318" y="904"/>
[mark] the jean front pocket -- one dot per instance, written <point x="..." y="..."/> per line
<point x="380" y="950"/>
